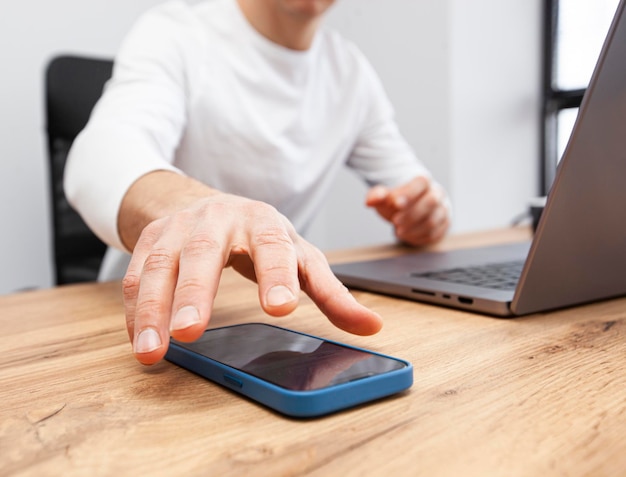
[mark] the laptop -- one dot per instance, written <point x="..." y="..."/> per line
<point x="578" y="252"/>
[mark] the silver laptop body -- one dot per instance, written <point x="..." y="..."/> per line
<point x="578" y="253"/>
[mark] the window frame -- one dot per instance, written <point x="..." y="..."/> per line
<point x="554" y="99"/>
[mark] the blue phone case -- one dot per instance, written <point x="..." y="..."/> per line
<point x="296" y="403"/>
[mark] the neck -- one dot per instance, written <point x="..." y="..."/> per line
<point x="280" y="26"/>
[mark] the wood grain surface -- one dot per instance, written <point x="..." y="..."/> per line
<point x="543" y="395"/>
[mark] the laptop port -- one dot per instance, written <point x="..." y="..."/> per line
<point x="422" y="292"/>
<point x="465" y="300"/>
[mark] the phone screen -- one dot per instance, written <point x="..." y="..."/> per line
<point x="289" y="359"/>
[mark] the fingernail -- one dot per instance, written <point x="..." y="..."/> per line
<point x="184" y="318"/>
<point x="379" y="191"/>
<point x="279" y="295"/>
<point x="400" y="201"/>
<point x="147" y="340"/>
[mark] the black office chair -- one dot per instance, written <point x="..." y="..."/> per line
<point x="73" y="85"/>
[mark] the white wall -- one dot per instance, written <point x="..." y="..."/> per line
<point x="494" y="99"/>
<point x="30" y="34"/>
<point x="464" y="77"/>
<point x="465" y="80"/>
<point x="407" y="42"/>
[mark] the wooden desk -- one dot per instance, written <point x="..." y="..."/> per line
<point x="536" y="396"/>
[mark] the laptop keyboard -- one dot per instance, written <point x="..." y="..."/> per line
<point x="500" y="276"/>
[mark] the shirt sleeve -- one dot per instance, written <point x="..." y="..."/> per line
<point x="381" y="155"/>
<point x="137" y="124"/>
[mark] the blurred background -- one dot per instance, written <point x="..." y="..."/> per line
<point x="465" y="78"/>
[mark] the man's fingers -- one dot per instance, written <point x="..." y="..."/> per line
<point x="273" y="253"/>
<point x="423" y="220"/>
<point x="376" y="195"/>
<point x="202" y="259"/>
<point x="419" y="210"/>
<point x="409" y="193"/>
<point x="173" y="276"/>
<point x="422" y="234"/>
<point x="132" y="278"/>
<point x="429" y="230"/>
<point x="158" y="265"/>
<point x="333" y="298"/>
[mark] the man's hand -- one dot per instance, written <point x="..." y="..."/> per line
<point x="417" y="210"/>
<point x="177" y="261"/>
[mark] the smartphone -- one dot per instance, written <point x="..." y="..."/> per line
<point x="293" y="373"/>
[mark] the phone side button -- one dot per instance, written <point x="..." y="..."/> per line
<point x="233" y="381"/>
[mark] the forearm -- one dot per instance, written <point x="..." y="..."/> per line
<point x="155" y="195"/>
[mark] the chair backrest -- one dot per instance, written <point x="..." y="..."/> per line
<point x="73" y="85"/>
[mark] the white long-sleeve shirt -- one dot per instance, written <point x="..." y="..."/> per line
<point x="196" y="89"/>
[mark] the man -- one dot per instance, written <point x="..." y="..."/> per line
<point x="215" y="142"/>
